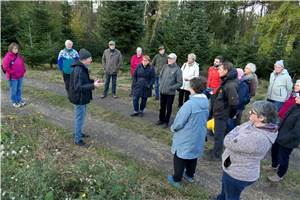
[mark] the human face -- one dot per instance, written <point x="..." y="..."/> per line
<point x="138" y="53"/>
<point x="247" y="70"/>
<point x="69" y="45"/>
<point x="278" y="69"/>
<point x="297" y="87"/>
<point x="255" y="118"/>
<point x="222" y="72"/>
<point x="162" y="51"/>
<point x="87" y="61"/>
<point x="15" y="50"/>
<point x="145" y="62"/>
<point x="112" y="46"/>
<point x="171" y="61"/>
<point x="190" y="60"/>
<point x="217" y="62"/>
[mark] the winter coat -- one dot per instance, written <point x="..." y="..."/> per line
<point x="189" y="72"/>
<point x="289" y="128"/>
<point x="158" y="62"/>
<point x="189" y="128"/>
<point x="244" y="92"/>
<point x="245" y="147"/>
<point x="280" y="86"/>
<point x="213" y="79"/>
<point x="287" y="105"/>
<point x="170" y="79"/>
<point x="253" y="81"/>
<point x="143" y="79"/>
<point x="15" y="70"/>
<point x="227" y="99"/>
<point x="112" y="61"/>
<point x="66" y="58"/>
<point x="81" y="86"/>
<point x="134" y="61"/>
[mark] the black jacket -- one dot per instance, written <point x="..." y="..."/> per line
<point x="81" y="86"/>
<point x="143" y="79"/>
<point x="227" y="98"/>
<point x="289" y="129"/>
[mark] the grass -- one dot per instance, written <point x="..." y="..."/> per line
<point x="39" y="161"/>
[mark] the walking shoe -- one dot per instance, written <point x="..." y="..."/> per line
<point x="22" y="103"/>
<point x="159" y="123"/>
<point x="275" y="178"/>
<point x="172" y="182"/>
<point x="102" y="96"/>
<point x="82" y="144"/>
<point x="85" y="135"/>
<point x="134" y="114"/>
<point x="189" y="179"/>
<point x="16" y="105"/>
<point x="114" y="96"/>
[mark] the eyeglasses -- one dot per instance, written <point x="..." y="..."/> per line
<point x="251" y="112"/>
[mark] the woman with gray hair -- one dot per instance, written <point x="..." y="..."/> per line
<point x="245" y="147"/>
<point x="190" y="70"/>
<point x="249" y="73"/>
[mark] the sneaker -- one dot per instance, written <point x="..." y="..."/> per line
<point x="275" y="178"/>
<point x="82" y="144"/>
<point x="189" y="179"/>
<point x="16" y="105"/>
<point x="102" y="96"/>
<point x="22" y="103"/>
<point x="85" y="135"/>
<point x="134" y="114"/>
<point x="159" y="123"/>
<point x="172" y="182"/>
<point x="114" y="96"/>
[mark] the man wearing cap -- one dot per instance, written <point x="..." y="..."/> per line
<point x="280" y="85"/>
<point x="170" y="80"/>
<point x="111" y="61"/>
<point x="80" y="92"/>
<point x="158" y="62"/>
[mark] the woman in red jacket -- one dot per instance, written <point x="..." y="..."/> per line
<point x="135" y="60"/>
<point x="14" y="67"/>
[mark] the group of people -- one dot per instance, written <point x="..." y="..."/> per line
<point x="273" y="123"/>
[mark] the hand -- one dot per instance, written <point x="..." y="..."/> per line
<point x="97" y="83"/>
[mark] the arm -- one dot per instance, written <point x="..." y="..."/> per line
<point x="253" y="85"/>
<point x="178" y="80"/>
<point x="196" y="72"/>
<point x="120" y="61"/>
<point x="79" y="86"/>
<point x="181" y="117"/>
<point x="6" y="63"/>
<point x="103" y="60"/>
<point x="60" y="61"/>
<point x="153" y="63"/>
<point x="289" y="86"/>
<point x="152" y="77"/>
<point x="208" y="77"/>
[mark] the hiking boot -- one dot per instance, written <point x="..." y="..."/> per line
<point x="135" y="114"/>
<point x="275" y="178"/>
<point x="16" y="105"/>
<point x="172" y="182"/>
<point x="189" y="179"/>
<point x="159" y="123"/>
<point x="82" y="144"/>
<point x="102" y="96"/>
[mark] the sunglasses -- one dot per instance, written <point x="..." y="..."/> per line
<point x="251" y="112"/>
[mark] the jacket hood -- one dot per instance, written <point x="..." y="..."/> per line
<point x="270" y="131"/>
<point x="202" y="98"/>
<point x="284" y="72"/>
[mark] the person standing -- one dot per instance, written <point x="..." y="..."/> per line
<point x="135" y="60"/>
<point x="158" y="62"/>
<point x="189" y="132"/>
<point x="170" y="80"/>
<point x="143" y="79"/>
<point x="14" y="67"/>
<point x="249" y="73"/>
<point x="280" y="85"/>
<point x="190" y="70"/>
<point x="111" y="61"/>
<point x="66" y="58"/>
<point x="80" y="92"/>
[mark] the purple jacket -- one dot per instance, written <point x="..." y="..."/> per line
<point x="17" y="69"/>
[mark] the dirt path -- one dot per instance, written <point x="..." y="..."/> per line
<point x="136" y="146"/>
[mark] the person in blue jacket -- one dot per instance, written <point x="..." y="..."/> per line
<point x="189" y="132"/>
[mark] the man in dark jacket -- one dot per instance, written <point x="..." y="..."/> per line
<point x="80" y="92"/>
<point x="170" y="80"/>
<point x="224" y="106"/>
<point x="288" y="138"/>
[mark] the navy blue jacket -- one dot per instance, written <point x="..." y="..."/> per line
<point x="143" y="79"/>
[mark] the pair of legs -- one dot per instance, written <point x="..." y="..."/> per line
<point x="220" y="131"/>
<point x="137" y="106"/>
<point x="232" y="188"/>
<point x="183" y="97"/>
<point x="156" y="87"/>
<point x="79" y="117"/>
<point x="113" y="78"/>
<point x="166" y="103"/>
<point x="15" y="88"/>
<point x="280" y="158"/>
<point x="189" y="165"/>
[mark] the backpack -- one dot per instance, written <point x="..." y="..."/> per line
<point x="10" y="64"/>
<point x="244" y="92"/>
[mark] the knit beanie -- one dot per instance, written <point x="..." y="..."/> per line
<point x="280" y="63"/>
<point x="84" y="54"/>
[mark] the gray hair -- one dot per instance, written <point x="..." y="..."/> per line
<point x="298" y="81"/>
<point x="68" y="41"/>
<point x="139" y="49"/>
<point x="192" y="55"/>
<point x="265" y="109"/>
<point x="252" y="67"/>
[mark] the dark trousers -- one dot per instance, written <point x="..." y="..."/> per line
<point x="180" y="164"/>
<point x="66" y="81"/>
<point x="280" y="158"/>
<point x="139" y="106"/>
<point x="113" y="78"/>
<point x="220" y="131"/>
<point x="166" y="103"/>
<point x="183" y="97"/>
<point x="232" y="188"/>
<point x="211" y="103"/>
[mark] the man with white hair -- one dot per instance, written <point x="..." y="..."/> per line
<point x="170" y="81"/>
<point x="66" y="58"/>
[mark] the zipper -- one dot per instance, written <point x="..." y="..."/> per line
<point x="272" y="85"/>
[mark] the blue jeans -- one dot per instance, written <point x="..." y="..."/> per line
<point x="232" y="188"/>
<point x="15" y="88"/>
<point x="79" y="117"/>
<point x="139" y="107"/>
<point x="156" y="86"/>
<point x="113" y="78"/>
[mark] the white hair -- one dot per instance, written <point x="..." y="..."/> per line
<point x="298" y="81"/>
<point x="68" y="41"/>
<point x="139" y="49"/>
<point x="252" y="67"/>
<point x="192" y="55"/>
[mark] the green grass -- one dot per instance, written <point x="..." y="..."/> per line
<point x="39" y="161"/>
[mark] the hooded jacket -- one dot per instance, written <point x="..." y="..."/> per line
<point x="213" y="78"/>
<point x="245" y="147"/>
<point x="170" y="79"/>
<point x="17" y="69"/>
<point x="189" y="128"/>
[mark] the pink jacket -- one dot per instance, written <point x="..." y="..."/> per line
<point x="134" y="63"/>
<point x="286" y="106"/>
<point x="17" y="69"/>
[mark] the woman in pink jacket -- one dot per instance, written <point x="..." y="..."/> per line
<point x="14" y="67"/>
<point x="135" y="60"/>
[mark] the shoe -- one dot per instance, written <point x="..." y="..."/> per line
<point x="159" y="123"/>
<point x="134" y="114"/>
<point x="189" y="179"/>
<point x="102" y="96"/>
<point x="141" y="114"/>
<point x="275" y="178"/>
<point x="85" y="135"/>
<point x="166" y="125"/>
<point x="172" y="182"/>
<point x="16" y="105"/>
<point x="22" y="103"/>
<point x="156" y="98"/>
<point x="114" y="96"/>
<point x="82" y="144"/>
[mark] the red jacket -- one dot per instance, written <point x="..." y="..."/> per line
<point x="286" y="106"/>
<point x="134" y="63"/>
<point x="213" y="80"/>
<point x="17" y="69"/>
